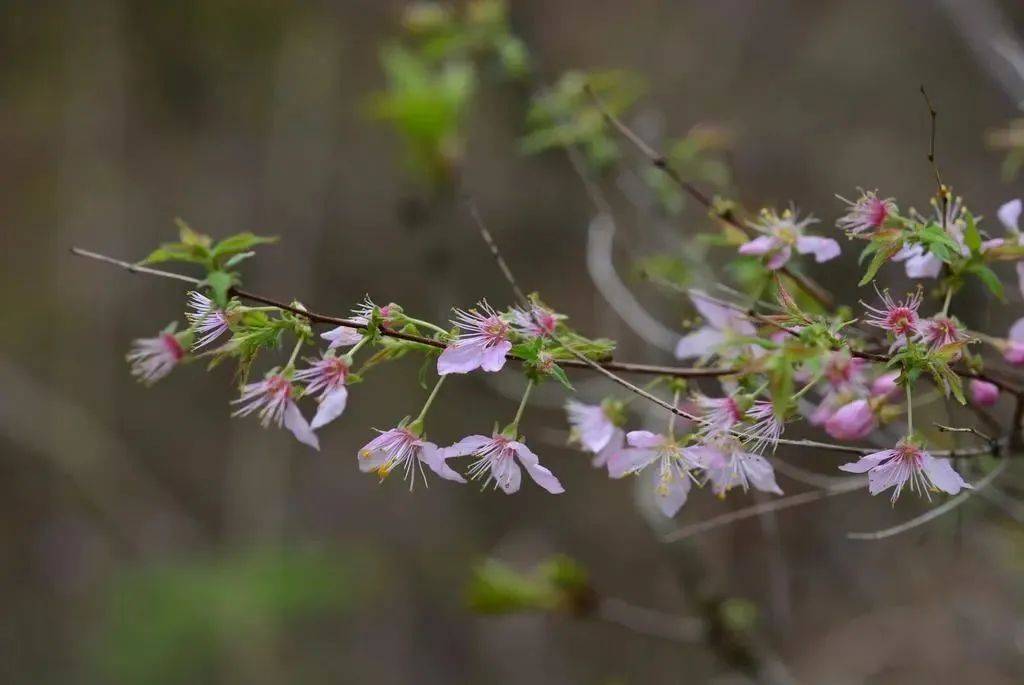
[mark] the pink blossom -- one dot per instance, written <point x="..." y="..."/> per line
<point x="1009" y="215"/>
<point x="844" y="371"/>
<point x="728" y="465"/>
<point x="898" y="318"/>
<point x="674" y="466"/>
<point x="907" y="464"/>
<point x="885" y="386"/>
<point x="153" y="358"/>
<point x="273" y="399"/>
<point x="764" y="428"/>
<point x="940" y="331"/>
<point x="536" y="323"/>
<point x="400" y="448"/>
<point x="983" y="393"/>
<point x="867" y="215"/>
<point x="782" y="234"/>
<point x="720" y="414"/>
<point x="209" y="321"/>
<point x="483" y="343"/>
<point x="919" y="263"/>
<point x="326" y="376"/>
<point x="1014" y="350"/>
<point x="342" y="336"/>
<point x="852" y="421"/>
<point x="497" y="458"/>
<point x="595" y="430"/>
<point x="722" y="322"/>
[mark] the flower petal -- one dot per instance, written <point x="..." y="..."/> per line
<point x="342" y="336"/>
<point x="942" y="474"/>
<point x="823" y="249"/>
<point x="461" y="357"/>
<point x="296" y="423"/>
<point x="494" y="356"/>
<point x="471" y="444"/>
<point x="433" y="457"/>
<point x="507" y="475"/>
<point x="629" y="460"/>
<point x="779" y="258"/>
<point x="760" y="473"/>
<point x="671" y="495"/>
<point x="331" y="407"/>
<point x="644" y="439"/>
<point x="540" y="475"/>
<point x="1009" y="215"/>
<point x="759" y="246"/>
<point x="699" y="343"/>
<point x="865" y="464"/>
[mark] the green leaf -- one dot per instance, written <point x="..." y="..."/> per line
<point x="972" y="238"/>
<point x="883" y="255"/>
<point x="240" y="242"/>
<point x="990" y="279"/>
<point x="558" y="373"/>
<point x="220" y="283"/>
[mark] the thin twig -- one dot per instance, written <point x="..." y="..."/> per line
<point x="650" y="622"/>
<point x="623" y="367"/>
<point x="932" y="514"/>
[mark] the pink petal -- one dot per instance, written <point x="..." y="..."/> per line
<point x="471" y="444"/>
<point x="759" y="246"/>
<point x="672" y="497"/>
<point x="331" y="407"/>
<point x="507" y="475"/>
<point x="1020" y="276"/>
<point x="494" y="357"/>
<point x="296" y="423"/>
<point x="884" y="477"/>
<point x="699" y="343"/>
<point x="942" y="475"/>
<point x="1009" y="215"/>
<point x="760" y="473"/>
<point x="614" y="445"/>
<point x="867" y="463"/>
<point x="342" y="336"/>
<point x="629" y="460"/>
<point x="924" y="265"/>
<point x="1017" y="331"/>
<point x="644" y="439"/>
<point x="461" y="358"/>
<point x="435" y="458"/>
<point x="540" y="475"/>
<point x="779" y="258"/>
<point x="823" y="249"/>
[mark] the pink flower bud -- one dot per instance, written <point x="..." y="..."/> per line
<point x="852" y="421"/>
<point x="885" y="385"/>
<point x="983" y="393"/>
<point x="1014" y="353"/>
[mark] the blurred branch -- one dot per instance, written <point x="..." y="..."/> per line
<point x="932" y="514"/>
<point x="659" y="161"/>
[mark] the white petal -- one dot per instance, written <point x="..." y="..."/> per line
<point x="672" y="496"/>
<point x="342" y="336"/>
<point x="699" y="343"/>
<point x="823" y="249"/>
<point x="540" y="475"/>
<point x="471" y="444"/>
<point x="435" y="458"/>
<point x="1009" y="215"/>
<point x="629" y="460"/>
<point x="460" y="358"/>
<point x="942" y="475"/>
<point x="760" y="473"/>
<point x="331" y="407"/>
<point x="494" y="356"/>
<point x="644" y="439"/>
<point x="296" y="423"/>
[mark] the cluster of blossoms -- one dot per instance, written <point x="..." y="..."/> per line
<point x="772" y="363"/>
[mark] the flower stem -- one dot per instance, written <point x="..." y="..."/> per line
<point x="514" y="426"/>
<point x="426" y="324"/>
<point x="295" y="352"/>
<point x="949" y="298"/>
<point x="430" y="400"/>
<point x="355" y="348"/>
<point x="910" y="412"/>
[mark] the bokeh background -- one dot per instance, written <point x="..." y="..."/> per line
<point x="146" y="537"/>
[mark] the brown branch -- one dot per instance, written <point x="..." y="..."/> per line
<point x="623" y="367"/>
<point x="659" y="161"/>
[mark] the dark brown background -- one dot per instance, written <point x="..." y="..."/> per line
<point x="116" y="117"/>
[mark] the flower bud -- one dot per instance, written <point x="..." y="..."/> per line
<point x="983" y="393"/>
<point x="885" y="386"/>
<point x="852" y="421"/>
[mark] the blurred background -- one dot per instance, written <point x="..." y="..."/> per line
<point x="146" y="537"/>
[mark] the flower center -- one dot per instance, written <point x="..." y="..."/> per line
<point x="172" y="345"/>
<point x="901" y="320"/>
